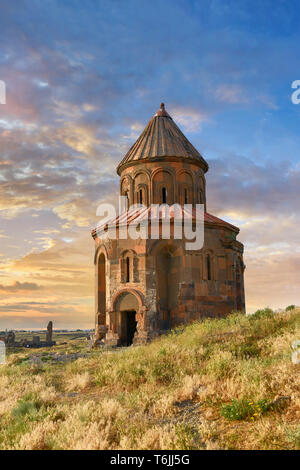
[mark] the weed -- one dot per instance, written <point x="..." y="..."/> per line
<point x="245" y="409"/>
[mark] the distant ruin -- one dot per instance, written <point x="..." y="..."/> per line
<point x="9" y="339"/>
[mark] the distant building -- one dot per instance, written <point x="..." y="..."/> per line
<point x="145" y="287"/>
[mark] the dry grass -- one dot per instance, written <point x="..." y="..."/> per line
<point x="218" y="384"/>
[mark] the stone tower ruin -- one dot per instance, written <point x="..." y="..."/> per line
<point x="144" y="287"/>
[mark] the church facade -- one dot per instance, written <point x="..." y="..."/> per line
<point x="144" y="287"/>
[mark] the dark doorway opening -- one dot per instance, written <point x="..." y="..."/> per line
<point x="129" y="324"/>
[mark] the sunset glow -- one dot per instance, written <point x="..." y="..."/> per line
<point x="83" y="79"/>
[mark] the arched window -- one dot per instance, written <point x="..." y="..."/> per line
<point x="208" y="267"/>
<point x="200" y="197"/>
<point x="127" y="269"/>
<point x="185" y="196"/>
<point x="140" y="196"/>
<point x="164" y="195"/>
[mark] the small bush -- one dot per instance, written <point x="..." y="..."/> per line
<point x="130" y="375"/>
<point x="221" y="365"/>
<point x="163" y="371"/>
<point x="185" y="437"/>
<point x="263" y="313"/>
<point x="290" y="307"/>
<point x="238" y="410"/>
<point x="246" y="350"/>
<point x="25" y="407"/>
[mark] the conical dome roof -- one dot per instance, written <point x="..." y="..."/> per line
<point x="161" y="139"/>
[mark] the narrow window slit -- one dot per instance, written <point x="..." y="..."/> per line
<point x="127" y="269"/>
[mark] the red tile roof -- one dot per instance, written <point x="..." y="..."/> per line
<point x="151" y="213"/>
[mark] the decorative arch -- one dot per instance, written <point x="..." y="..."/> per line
<point x="101" y="265"/>
<point x="137" y="294"/>
<point x="186" y="186"/>
<point x="160" y="244"/>
<point x="127" y="316"/>
<point x="143" y="189"/>
<point x="186" y="171"/>
<point x="143" y="172"/>
<point x="169" y="170"/>
<point x="141" y="181"/>
<point x="168" y="268"/>
<point x="200" y="188"/>
<point x="126" y="188"/>
<point x="209" y="265"/>
<point x="101" y="275"/>
<point x="166" y="180"/>
<point x="100" y="248"/>
<point x="129" y="269"/>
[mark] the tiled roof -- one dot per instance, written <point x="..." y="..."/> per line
<point x="151" y="213"/>
<point x="162" y="138"/>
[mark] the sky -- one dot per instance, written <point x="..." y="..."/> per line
<point x="82" y="81"/>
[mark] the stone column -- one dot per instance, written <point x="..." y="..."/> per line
<point x="143" y="333"/>
<point x="49" y="332"/>
<point x="112" y="336"/>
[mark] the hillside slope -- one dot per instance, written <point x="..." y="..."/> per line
<point x="217" y="384"/>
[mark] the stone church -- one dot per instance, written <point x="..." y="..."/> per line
<point x="144" y="287"/>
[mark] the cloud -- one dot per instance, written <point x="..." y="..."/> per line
<point x="238" y="184"/>
<point x="231" y="93"/>
<point x="75" y="101"/>
<point x="20" y="287"/>
<point x="59" y="287"/>
<point x="191" y="119"/>
<point x="79" y="211"/>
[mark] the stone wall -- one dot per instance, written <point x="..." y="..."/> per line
<point x="191" y="292"/>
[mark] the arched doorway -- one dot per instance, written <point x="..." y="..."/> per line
<point x="126" y="307"/>
<point x="168" y="267"/>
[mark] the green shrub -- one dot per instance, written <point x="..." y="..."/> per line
<point x="25" y="407"/>
<point x="186" y="437"/>
<point x="290" y="307"/>
<point x="46" y="358"/>
<point x="163" y="371"/>
<point x="139" y="373"/>
<point x="263" y="313"/>
<point x="246" y="350"/>
<point x="245" y="409"/>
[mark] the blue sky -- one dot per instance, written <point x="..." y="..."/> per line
<point x="84" y="78"/>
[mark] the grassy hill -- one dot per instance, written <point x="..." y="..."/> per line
<point x="217" y="384"/>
